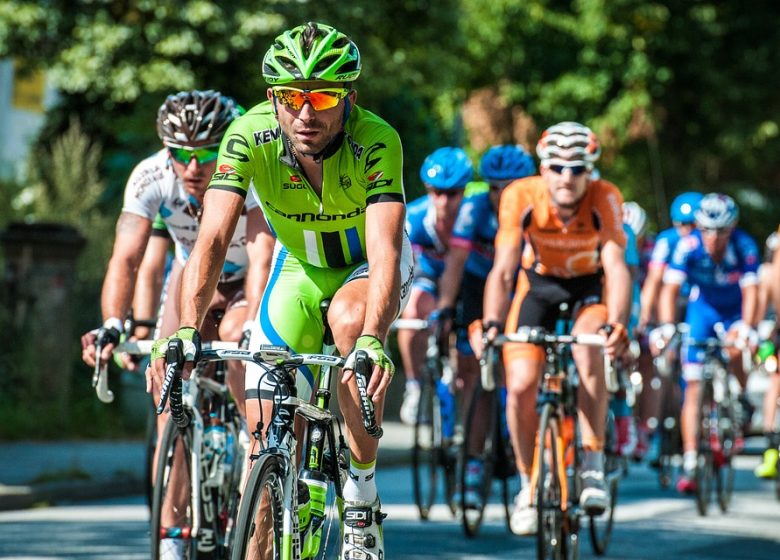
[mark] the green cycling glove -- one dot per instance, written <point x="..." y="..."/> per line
<point x="190" y="338"/>
<point x="376" y="352"/>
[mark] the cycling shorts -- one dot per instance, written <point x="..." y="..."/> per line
<point x="468" y="308"/>
<point x="290" y="315"/>
<point x="537" y="302"/>
<point x="702" y="317"/>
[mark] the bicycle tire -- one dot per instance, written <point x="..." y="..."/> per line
<point x="724" y="480"/>
<point x="550" y="535"/>
<point x="151" y="448"/>
<point x="601" y="525"/>
<point x="427" y="450"/>
<point x="472" y="516"/>
<point x="175" y="448"/>
<point x="704" y="474"/>
<point x="265" y="485"/>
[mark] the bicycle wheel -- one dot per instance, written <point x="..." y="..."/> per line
<point x="724" y="468"/>
<point x="260" y="516"/>
<point x="483" y="404"/>
<point x="427" y="449"/>
<point x="151" y="447"/>
<point x="704" y="462"/>
<point x="550" y="534"/>
<point x="601" y="525"/>
<point x="172" y="515"/>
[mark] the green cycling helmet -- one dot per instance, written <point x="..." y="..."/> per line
<point x="313" y="51"/>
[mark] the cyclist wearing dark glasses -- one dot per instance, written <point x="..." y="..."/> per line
<point x="572" y="226"/>
<point x="328" y="175"/>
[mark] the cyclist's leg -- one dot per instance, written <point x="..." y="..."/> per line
<point x="412" y="344"/>
<point x="523" y="364"/>
<point x="362" y="519"/>
<point x="467" y="309"/>
<point x="230" y="298"/>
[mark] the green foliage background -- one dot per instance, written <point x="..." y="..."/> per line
<point x="682" y="94"/>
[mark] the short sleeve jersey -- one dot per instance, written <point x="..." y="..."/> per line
<point x="564" y="250"/>
<point x="326" y="231"/>
<point x="664" y="247"/>
<point x="718" y="283"/>
<point x="156" y="193"/>
<point x="475" y="229"/>
<point x="429" y="250"/>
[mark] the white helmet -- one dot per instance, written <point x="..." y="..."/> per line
<point x="717" y="211"/>
<point x="568" y="143"/>
<point x="635" y="217"/>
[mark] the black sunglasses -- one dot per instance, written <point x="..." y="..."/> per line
<point x="575" y="169"/>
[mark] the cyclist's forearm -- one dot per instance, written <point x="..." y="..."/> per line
<point x="198" y="283"/>
<point x="498" y="286"/>
<point x="649" y="294"/>
<point x="118" y="285"/>
<point x="618" y="287"/>
<point x="666" y="303"/>
<point x="750" y="305"/>
<point x="451" y="279"/>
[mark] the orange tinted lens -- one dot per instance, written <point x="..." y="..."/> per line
<point x="321" y="100"/>
<point x="291" y="98"/>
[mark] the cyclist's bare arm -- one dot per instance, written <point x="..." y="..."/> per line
<point x="148" y="285"/>
<point x="617" y="284"/>
<point x="260" y="248"/>
<point x="384" y="235"/>
<point x="498" y="285"/>
<point x="666" y="302"/>
<point x="221" y="211"/>
<point x="132" y="234"/>
<point x="750" y="305"/>
<point x="775" y="283"/>
<point x="649" y="294"/>
<point x="449" y="283"/>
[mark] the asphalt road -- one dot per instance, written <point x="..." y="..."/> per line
<point x="651" y="524"/>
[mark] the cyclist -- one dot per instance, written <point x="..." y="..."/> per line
<point x="163" y="202"/>
<point x="467" y="264"/>
<point x="721" y="263"/>
<point x="328" y="175"/>
<point x="429" y="223"/>
<point x="681" y="213"/>
<point x="768" y="466"/>
<point x="574" y="228"/>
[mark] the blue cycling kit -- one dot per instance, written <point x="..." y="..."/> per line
<point x="475" y="229"/>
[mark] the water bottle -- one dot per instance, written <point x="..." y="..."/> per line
<point x="304" y="507"/>
<point x="214" y="440"/>
<point x="230" y="450"/>
<point x="447" y="403"/>
<point x="317" y="485"/>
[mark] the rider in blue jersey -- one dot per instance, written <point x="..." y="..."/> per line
<point x="721" y="264"/>
<point x="429" y="223"/>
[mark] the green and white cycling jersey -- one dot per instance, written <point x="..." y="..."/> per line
<point x="155" y="192"/>
<point x="327" y="231"/>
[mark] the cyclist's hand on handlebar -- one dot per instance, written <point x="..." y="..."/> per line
<point x="440" y="321"/>
<point x="107" y="337"/>
<point x="617" y="339"/>
<point x="155" y="373"/>
<point x="743" y="335"/>
<point x="383" y="370"/>
<point x="246" y="334"/>
<point x="659" y="337"/>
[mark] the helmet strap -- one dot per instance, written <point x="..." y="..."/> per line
<point x="347" y="109"/>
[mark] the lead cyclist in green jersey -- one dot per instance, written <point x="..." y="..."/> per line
<point x="328" y="175"/>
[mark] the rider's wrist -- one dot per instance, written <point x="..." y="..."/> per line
<point x="114" y="323"/>
<point x="487" y="325"/>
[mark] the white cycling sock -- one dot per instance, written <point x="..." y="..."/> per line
<point x="361" y="483"/>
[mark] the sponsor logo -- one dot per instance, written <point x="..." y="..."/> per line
<point x="345" y="182"/>
<point x="227" y="177"/>
<point x="371" y="161"/>
<point x="405" y="287"/>
<point x="237" y="148"/>
<point x="379" y="184"/>
<point x="225" y="168"/>
<point x="266" y="136"/>
<point x="357" y="149"/>
<point x="312" y="217"/>
<point x="296" y="179"/>
<point x="293" y="186"/>
<point x="375" y="176"/>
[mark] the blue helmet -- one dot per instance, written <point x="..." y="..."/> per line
<point x="684" y="207"/>
<point x="717" y="211"/>
<point x="447" y="168"/>
<point x="501" y="164"/>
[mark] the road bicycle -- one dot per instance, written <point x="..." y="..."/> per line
<point x="284" y="510"/>
<point x="437" y="437"/>
<point x="486" y="440"/>
<point x="558" y="453"/>
<point x="200" y="460"/>
<point x="717" y="428"/>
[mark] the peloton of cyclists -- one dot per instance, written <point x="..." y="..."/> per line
<point x="573" y="225"/>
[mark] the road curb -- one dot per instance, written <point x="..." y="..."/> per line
<point x="24" y="497"/>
